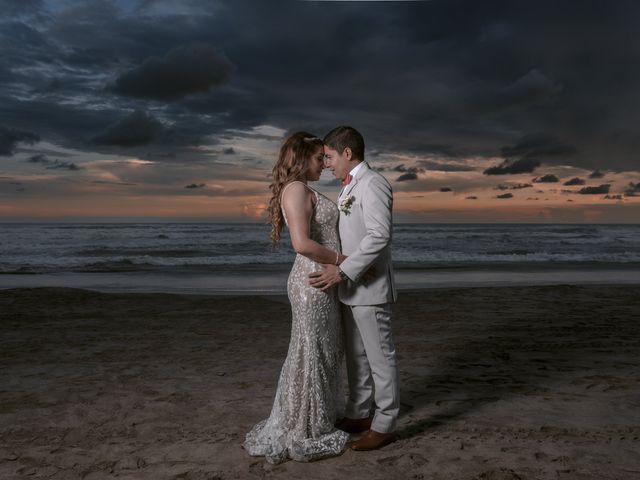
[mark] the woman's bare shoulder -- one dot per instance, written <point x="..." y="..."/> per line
<point x="295" y="189"/>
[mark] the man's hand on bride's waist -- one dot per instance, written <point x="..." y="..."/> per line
<point x="329" y="276"/>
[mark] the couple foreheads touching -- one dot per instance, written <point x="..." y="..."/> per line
<point x="341" y="289"/>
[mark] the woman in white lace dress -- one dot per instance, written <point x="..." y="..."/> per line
<point x="309" y="397"/>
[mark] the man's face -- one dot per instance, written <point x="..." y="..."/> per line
<point x="338" y="163"/>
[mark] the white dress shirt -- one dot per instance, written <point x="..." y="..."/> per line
<point x="353" y="172"/>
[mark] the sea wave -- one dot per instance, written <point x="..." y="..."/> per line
<point x="40" y="248"/>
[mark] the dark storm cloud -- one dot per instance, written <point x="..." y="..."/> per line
<point x="505" y="195"/>
<point x="10" y="138"/>
<point x="60" y="165"/>
<point x="62" y="124"/>
<point x="136" y="129"/>
<point x="473" y="197"/>
<point x="229" y="151"/>
<point x="540" y="147"/>
<point x="407" y="176"/>
<point x="196" y="185"/>
<point x="532" y="88"/>
<point x="595" y="190"/>
<point x="575" y="181"/>
<point x="596" y="174"/>
<point x="523" y="165"/>
<point x="181" y="72"/>
<point x="53" y="164"/>
<point x="632" y="190"/>
<point x="104" y="129"/>
<point x="528" y="153"/>
<point x="19" y="8"/>
<point x="445" y="167"/>
<point x="549" y="178"/>
<point x="468" y="77"/>
<point x="512" y="186"/>
<point x="40" y="158"/>
<point x="446" y="189"/>
<point x="70" y="56"/>
<point x="402" y="168"/>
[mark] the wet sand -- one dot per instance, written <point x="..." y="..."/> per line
<point x="496" y="383"/>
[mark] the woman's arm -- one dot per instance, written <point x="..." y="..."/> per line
<point x="297" y="202"/>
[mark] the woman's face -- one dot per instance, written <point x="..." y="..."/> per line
<point x="316" y="165"/>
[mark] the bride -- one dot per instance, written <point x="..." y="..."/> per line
<point x="309" y="395"/>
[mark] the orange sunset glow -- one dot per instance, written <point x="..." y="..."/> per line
<point x="124" y="188"/>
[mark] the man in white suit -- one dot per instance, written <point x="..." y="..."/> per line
<point x="366" y="290"/>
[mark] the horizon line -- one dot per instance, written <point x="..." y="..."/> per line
<point x="124" y="220"/>
<point x="364" y="0"/>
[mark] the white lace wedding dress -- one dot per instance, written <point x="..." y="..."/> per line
<point x="309" y="396"/>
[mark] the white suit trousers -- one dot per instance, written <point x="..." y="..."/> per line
<point x="371" y="365"/>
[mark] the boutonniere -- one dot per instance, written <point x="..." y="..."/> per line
<point x="345" y="205"/>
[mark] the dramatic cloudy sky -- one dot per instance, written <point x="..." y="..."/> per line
<point x="523" y="111"/>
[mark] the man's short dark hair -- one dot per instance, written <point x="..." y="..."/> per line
<point x="342" y="137"/>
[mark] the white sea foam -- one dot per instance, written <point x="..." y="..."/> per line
<point x="54" y="248"/>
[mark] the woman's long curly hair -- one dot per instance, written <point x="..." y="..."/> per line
<point x="292" y="164"/>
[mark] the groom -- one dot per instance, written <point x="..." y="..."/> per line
<point x="366" y="290"/>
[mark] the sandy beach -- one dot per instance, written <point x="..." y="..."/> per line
<point x="496" y="383"/>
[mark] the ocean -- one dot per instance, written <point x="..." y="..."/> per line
<point x="237" y="257"/>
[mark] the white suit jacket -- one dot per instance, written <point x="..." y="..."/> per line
<point x="365" y="237"/>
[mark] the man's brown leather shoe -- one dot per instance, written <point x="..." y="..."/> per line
<point x="372" y="440"/>
<point x="351" y="425"/>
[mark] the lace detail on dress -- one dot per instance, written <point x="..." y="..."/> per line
<point x="309" y="396"/>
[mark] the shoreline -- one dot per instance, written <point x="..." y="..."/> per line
<point x="248" y="281"/>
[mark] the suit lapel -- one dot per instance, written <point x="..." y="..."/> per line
<point x="354" y="180"/>
<point x="349" y="187"/>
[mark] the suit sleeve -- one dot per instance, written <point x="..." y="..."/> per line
<point x="377" y="204"/>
